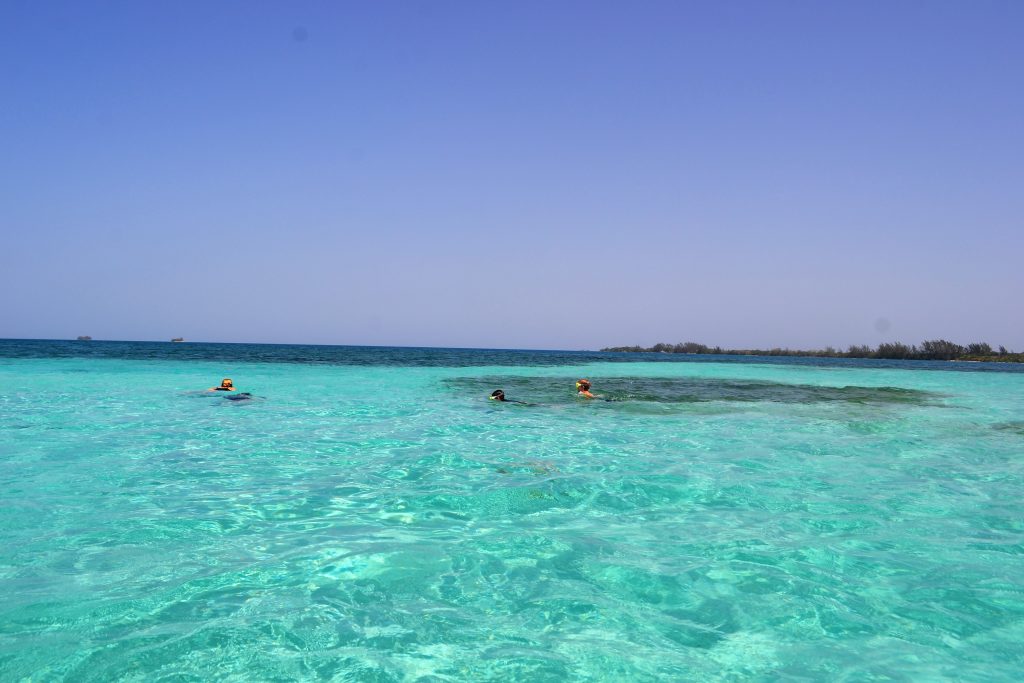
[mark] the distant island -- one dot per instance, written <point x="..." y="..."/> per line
<point x="85" y="337"/>
<point x="938" y="349"/>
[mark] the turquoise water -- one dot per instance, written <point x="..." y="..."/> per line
<point x="370" y="516"/>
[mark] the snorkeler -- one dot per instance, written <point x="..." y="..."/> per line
<point x="499" y="395"/>
<point x="583" y="388"/>
<point x="225" y="385"/>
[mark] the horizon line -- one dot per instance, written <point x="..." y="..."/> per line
<point x="607" y="349"/>
<point x="354" y="346"/>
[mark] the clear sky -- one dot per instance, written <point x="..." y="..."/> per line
<point x="513" y="174"/>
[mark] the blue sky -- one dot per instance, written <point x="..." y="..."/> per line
<point x="542" y="175"/>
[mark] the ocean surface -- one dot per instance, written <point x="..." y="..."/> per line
<point x="368" y="515"/>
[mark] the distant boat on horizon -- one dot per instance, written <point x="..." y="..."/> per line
<point x="84" y="337"/>
<point x="178" y="339"/>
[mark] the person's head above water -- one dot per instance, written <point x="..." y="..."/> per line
<point x="497" y="395"/>
<point x="583" y="388"/>
<point x="225" y="385"/>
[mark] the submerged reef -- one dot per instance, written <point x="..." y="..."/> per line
<point x="689" y="390"/>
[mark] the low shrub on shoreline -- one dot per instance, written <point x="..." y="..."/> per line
<point x="937" y="349"/>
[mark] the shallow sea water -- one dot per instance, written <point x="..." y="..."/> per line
<point x="371" y="516"/>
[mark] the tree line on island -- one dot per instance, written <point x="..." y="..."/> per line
<point x="938" y="349"/>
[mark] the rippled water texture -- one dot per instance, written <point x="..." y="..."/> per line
<point x="370" y="516"/>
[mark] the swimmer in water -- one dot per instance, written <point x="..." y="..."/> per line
<point x="225" y="385"/>
<point x="583" y="389"/>
<point x="499" y="395"/>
